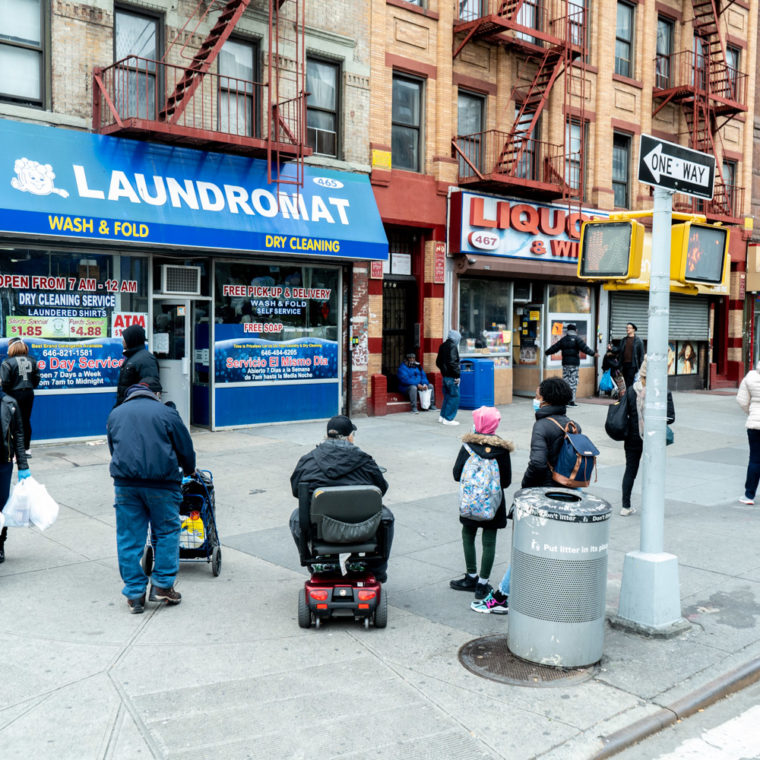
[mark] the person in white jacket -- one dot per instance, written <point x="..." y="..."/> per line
<point x="748" y="399"/>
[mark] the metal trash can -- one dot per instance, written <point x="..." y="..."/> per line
<point x="559" y="576"/>
<point x="475" y="383"/>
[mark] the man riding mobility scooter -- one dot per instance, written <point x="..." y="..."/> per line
<point x="342" y="542"/>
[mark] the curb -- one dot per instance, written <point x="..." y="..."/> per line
<point x="704" y="696"/>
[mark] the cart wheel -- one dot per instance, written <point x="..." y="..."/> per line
<point x="317" y="622"/>
<point x="147" y="560"/>
<point x="216" y="560"/>
<point x="365" y="621"/>
<point x="381" y="611"/>
<point x="304" y="613"/>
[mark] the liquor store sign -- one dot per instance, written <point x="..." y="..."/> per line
<point x="492" y="226"/>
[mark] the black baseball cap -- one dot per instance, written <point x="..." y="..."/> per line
<point x="340" y="425"/>
<point x="153" y="384"/>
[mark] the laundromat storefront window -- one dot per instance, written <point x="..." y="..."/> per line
<point x="276" y="342"/>
<point x="70" y="309"/>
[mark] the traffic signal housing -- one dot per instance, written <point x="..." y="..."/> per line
<point x="610" y="249"/>
<point x="698" y="253"/>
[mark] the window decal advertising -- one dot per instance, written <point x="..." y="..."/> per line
<point x="275" y="323"/>
<point x="70" y="309"/>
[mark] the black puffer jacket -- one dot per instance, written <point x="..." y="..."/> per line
<point x="632" y="438"/>
<point x="138" y="364"/>
<point x="148" y="442"/>
<point x="12" y="428"/>
<point x="571" y="346"/>
<point x="448" y="358"/>
<point x="545" y="444"/>
<point x="19" y="373"/>
<point x="337" y="462"/>
<point x="487" y="447"/>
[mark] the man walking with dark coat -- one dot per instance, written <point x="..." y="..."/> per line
<point x="571" y="347"/>
<point x="448" y="362"/>
<point x="337" y="461"/>
<point x="149" y="446"/>
<point x="139" y="363"/>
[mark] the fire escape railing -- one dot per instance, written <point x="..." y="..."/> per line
<point x="688" y="72"/>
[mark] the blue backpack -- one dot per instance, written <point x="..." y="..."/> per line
<point x="577" y="458"/>
<point x="479" y="487"/>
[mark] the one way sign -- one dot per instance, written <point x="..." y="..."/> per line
<point x="665" y="164"/>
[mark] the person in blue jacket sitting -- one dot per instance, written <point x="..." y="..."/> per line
<point x="412" y="379"/>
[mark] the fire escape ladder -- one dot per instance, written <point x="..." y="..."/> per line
<point x="516" y="143"/>
<point x="508" y="9"/>
<point x="506" y="13"/>
<point x="703" y="138"/>
<point x="286" y="112"/>
<point x="706" y="15"/>
<point x="202" y="60"/>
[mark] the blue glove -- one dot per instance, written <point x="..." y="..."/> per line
<point x="24" y="474"/>
<point x="186" y="480"/>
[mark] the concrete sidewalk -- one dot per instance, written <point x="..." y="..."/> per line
<point x="228" y="674"/>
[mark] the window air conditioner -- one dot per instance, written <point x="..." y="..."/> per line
<point x="181" y="281"/>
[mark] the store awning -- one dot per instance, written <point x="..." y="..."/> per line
<point x="66" y="184"/>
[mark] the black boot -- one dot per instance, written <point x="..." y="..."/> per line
<point x="3" y="535"/>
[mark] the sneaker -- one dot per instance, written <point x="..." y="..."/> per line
<point x="168" y="595"/>
<point x="482" y="590"/>
<point x="450" y="422"/>
<point x="136" y="606"/>
<point x="433" y="408"/>
<point x="467" y="583"/>
<point x="630" y="511"/>
<point x="441" y="420"/>
<point x="28" y="454"/>
<point x="746" y="500"/>
<point x="491" y="605"/>
<point x="414" y="411"/>
<point x="572" y="403"/>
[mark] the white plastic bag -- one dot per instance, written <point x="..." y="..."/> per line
<point x="2" y="520"/>
<point x="43" y="509"/>
<point x="16" y="509"/>
<point x="424" y="397"/>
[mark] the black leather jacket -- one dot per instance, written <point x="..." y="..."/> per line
<point x="19" y="373"/>
<point x="13" y="432"/>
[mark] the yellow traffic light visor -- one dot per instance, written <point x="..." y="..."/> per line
<point x="610" y="250"/>
<point x="698" y="253"/>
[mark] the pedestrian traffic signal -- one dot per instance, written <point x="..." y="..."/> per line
<point x="610" y="250"/>
<point x="698" y="253"/>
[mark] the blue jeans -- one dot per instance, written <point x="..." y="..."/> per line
<point x="136" y="506"/>
<point x="450" y="403"/>
<point x="753" y="468"/>
<point x="504" y="585"/>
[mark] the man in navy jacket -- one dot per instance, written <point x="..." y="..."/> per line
<point x="149" y="446"/>
<point x="412" y="379"/>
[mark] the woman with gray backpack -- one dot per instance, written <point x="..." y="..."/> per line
<point x="483" y="470"/>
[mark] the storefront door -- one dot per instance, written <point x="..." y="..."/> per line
<point x="399" y="318"/>
<point x="172" y="347"/>
<point x="527" y="349"/>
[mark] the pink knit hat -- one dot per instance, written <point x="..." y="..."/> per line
<point x="486" y="419"/>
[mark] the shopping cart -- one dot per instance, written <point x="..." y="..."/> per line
<point x="198" y="544"/>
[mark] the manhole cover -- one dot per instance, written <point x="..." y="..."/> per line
<point x="489" y="657"/>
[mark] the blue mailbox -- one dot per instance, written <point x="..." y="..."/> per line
<point x="476" y="383"/>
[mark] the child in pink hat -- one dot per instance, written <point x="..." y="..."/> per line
<point x="483" y="470"/>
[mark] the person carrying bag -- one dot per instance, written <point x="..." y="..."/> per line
<point x="11" y="448"/>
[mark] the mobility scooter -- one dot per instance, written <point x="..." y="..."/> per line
<point x="341" y="539"/>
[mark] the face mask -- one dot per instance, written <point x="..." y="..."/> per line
<point x="536" y="404"/>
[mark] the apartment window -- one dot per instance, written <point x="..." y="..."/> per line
<point x="471" y="109"/>
<point x="576" y="136"/>
<point x="22" y="54"/>
<point x="729" y="179"/>
<point x="528" y="15"/>
<point x="136" y="44"/>
<point x="469" y="10"/>
<point x="406" y="123"/>
<point x="699" y="75"/>
<point x="322" y="106"/>
<point x="578" y="20"/>
<point x="624" y="40"/>
<point x="732" y="71"/>
<point x="663" y="63"/>
<point x="238" y="95"/>
<point x="621" y="169"/>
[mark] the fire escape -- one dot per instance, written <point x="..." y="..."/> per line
<point x="186" y="98"/>
<point x="518" y="160"/>
<point x="711" y="92"/>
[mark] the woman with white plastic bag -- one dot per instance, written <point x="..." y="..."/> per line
<point x="11" y="447"/>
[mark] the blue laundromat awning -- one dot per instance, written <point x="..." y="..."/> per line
<point x="66" y="184"/>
